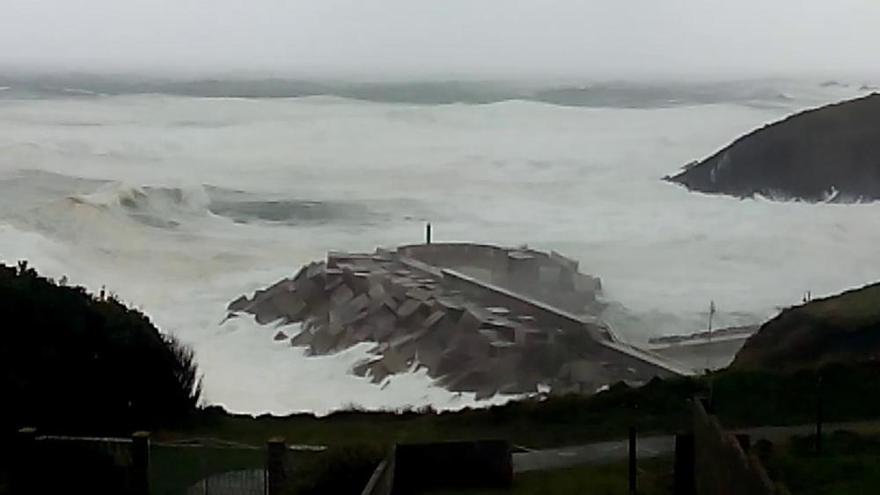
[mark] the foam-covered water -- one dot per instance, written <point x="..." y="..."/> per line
<point x="180" y="204"/>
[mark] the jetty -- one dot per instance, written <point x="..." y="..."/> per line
<point x="481" y="318"/>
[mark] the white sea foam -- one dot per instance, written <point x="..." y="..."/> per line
<point x="179" y="205"/>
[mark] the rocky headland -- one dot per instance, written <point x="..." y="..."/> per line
<point x="826" y="154"/>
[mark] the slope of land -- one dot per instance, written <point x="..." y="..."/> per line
<point x="830" y="153"/>
<point x="838" y="329"/>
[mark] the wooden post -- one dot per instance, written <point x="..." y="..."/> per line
<point x="22" y="478"/>
<point x="633" y="465"/>
<point x="745" y="441"/>
<point x="819" y="414"/>
<point x="684" y="483"/>
<point x="140" y="463"/>
<point x="276" y="472"/>
<point x="428" y="233"/>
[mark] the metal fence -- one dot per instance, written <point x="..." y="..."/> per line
<point x="135" y="466"/>
<point x="60" y="464"/>
<point x="207" y="467"/>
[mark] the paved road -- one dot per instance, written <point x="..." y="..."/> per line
<point x="594" y="453"/>
<point x="654" y="446"/>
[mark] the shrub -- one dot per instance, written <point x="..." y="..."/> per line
<point x="73" y="362"/>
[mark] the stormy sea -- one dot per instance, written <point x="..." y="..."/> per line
<point x="180" y="195"/>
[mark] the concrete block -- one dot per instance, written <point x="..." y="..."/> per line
<point x="452" y="361"/>
<point x="434" y="319"/>
<point x="377" y="290"/>
<point x="331" y="283"/>
<point x="341" y="295"/>
<point x="408" y="308"/>
<point x="315" y="270"/>
<point x="265" y="312"/>
<point x="419" y="294"/>
<point x="323" y="342"/>
<point x="239" y="304"/>
<point x="303" y="339"/>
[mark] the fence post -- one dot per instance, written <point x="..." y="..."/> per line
<point x="24" y="456"/>
<point x="819" y="414"/>
<point x="276" y="473"/>
<point x="140" y="463"/>
<point x="684" y="464"/>
<point x="633" y="482"/>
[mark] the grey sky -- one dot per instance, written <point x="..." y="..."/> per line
<point x="607" y="38"/>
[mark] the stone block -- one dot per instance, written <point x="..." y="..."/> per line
<point x="419" y="294"/>
<point x="279" y="336"/>
<point x="303" y="339"/>
<point x="315" y="270"/>
<point x="331" y="283"/>
<point x="434" y="319"/>
<point x="292" y="307"/>
<point x="377" y="290"/>
<point x="341" y="295"/>
<point x="334" y="324"/>
<point x="429" y="353"/>
<point x="354" y="309"/>
<point x="265" y="312"/>
<point x="501" y="348"/>
<point x="383" y="318"/>
<point x="301" y="273"/>
<point x="452" y="361"/>
<point x="324" y="342"/>
<point x="309" y="291"/>
<point x="469" y="322"/>
<point x="378" y="372"/>
<point x="408" y="308"/>
<point x="239" y="304"/>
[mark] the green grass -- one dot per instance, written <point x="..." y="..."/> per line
<point x="742" y="398"/>
<point x="849" y="464"/>
<point x="655" y="478"/>
<point x="174" y="469"/>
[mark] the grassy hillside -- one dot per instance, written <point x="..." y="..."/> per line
<point x="838" y="329"/>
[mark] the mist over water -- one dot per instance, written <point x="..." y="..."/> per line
<point x="181" y="202"/>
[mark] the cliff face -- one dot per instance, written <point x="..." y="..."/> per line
<point x="830" y="153"/>
<point x="840" y="329"/>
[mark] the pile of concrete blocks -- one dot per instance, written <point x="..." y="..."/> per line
<point x="415" y="321"/>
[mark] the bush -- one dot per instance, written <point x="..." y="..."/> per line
<point x="75" y="363"/>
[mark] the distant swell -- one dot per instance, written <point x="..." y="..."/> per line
<point x="599" y="95"/>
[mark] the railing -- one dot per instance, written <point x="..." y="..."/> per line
<point x="137" y="466"/>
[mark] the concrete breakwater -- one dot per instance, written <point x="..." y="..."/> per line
<point x="480" y="318"/>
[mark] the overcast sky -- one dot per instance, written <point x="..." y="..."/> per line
<point x="594" y="38"/>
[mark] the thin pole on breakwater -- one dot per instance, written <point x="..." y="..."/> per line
<point x="428" y="233"/>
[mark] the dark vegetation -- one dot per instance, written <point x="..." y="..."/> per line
<point x="839" y="329"/>
<point x="849" y="463"/>
<point x="741" y="398"/>
<point x="806" y="156"/>
<point x="74" y="363"/>
<point x="655" y="478"/>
